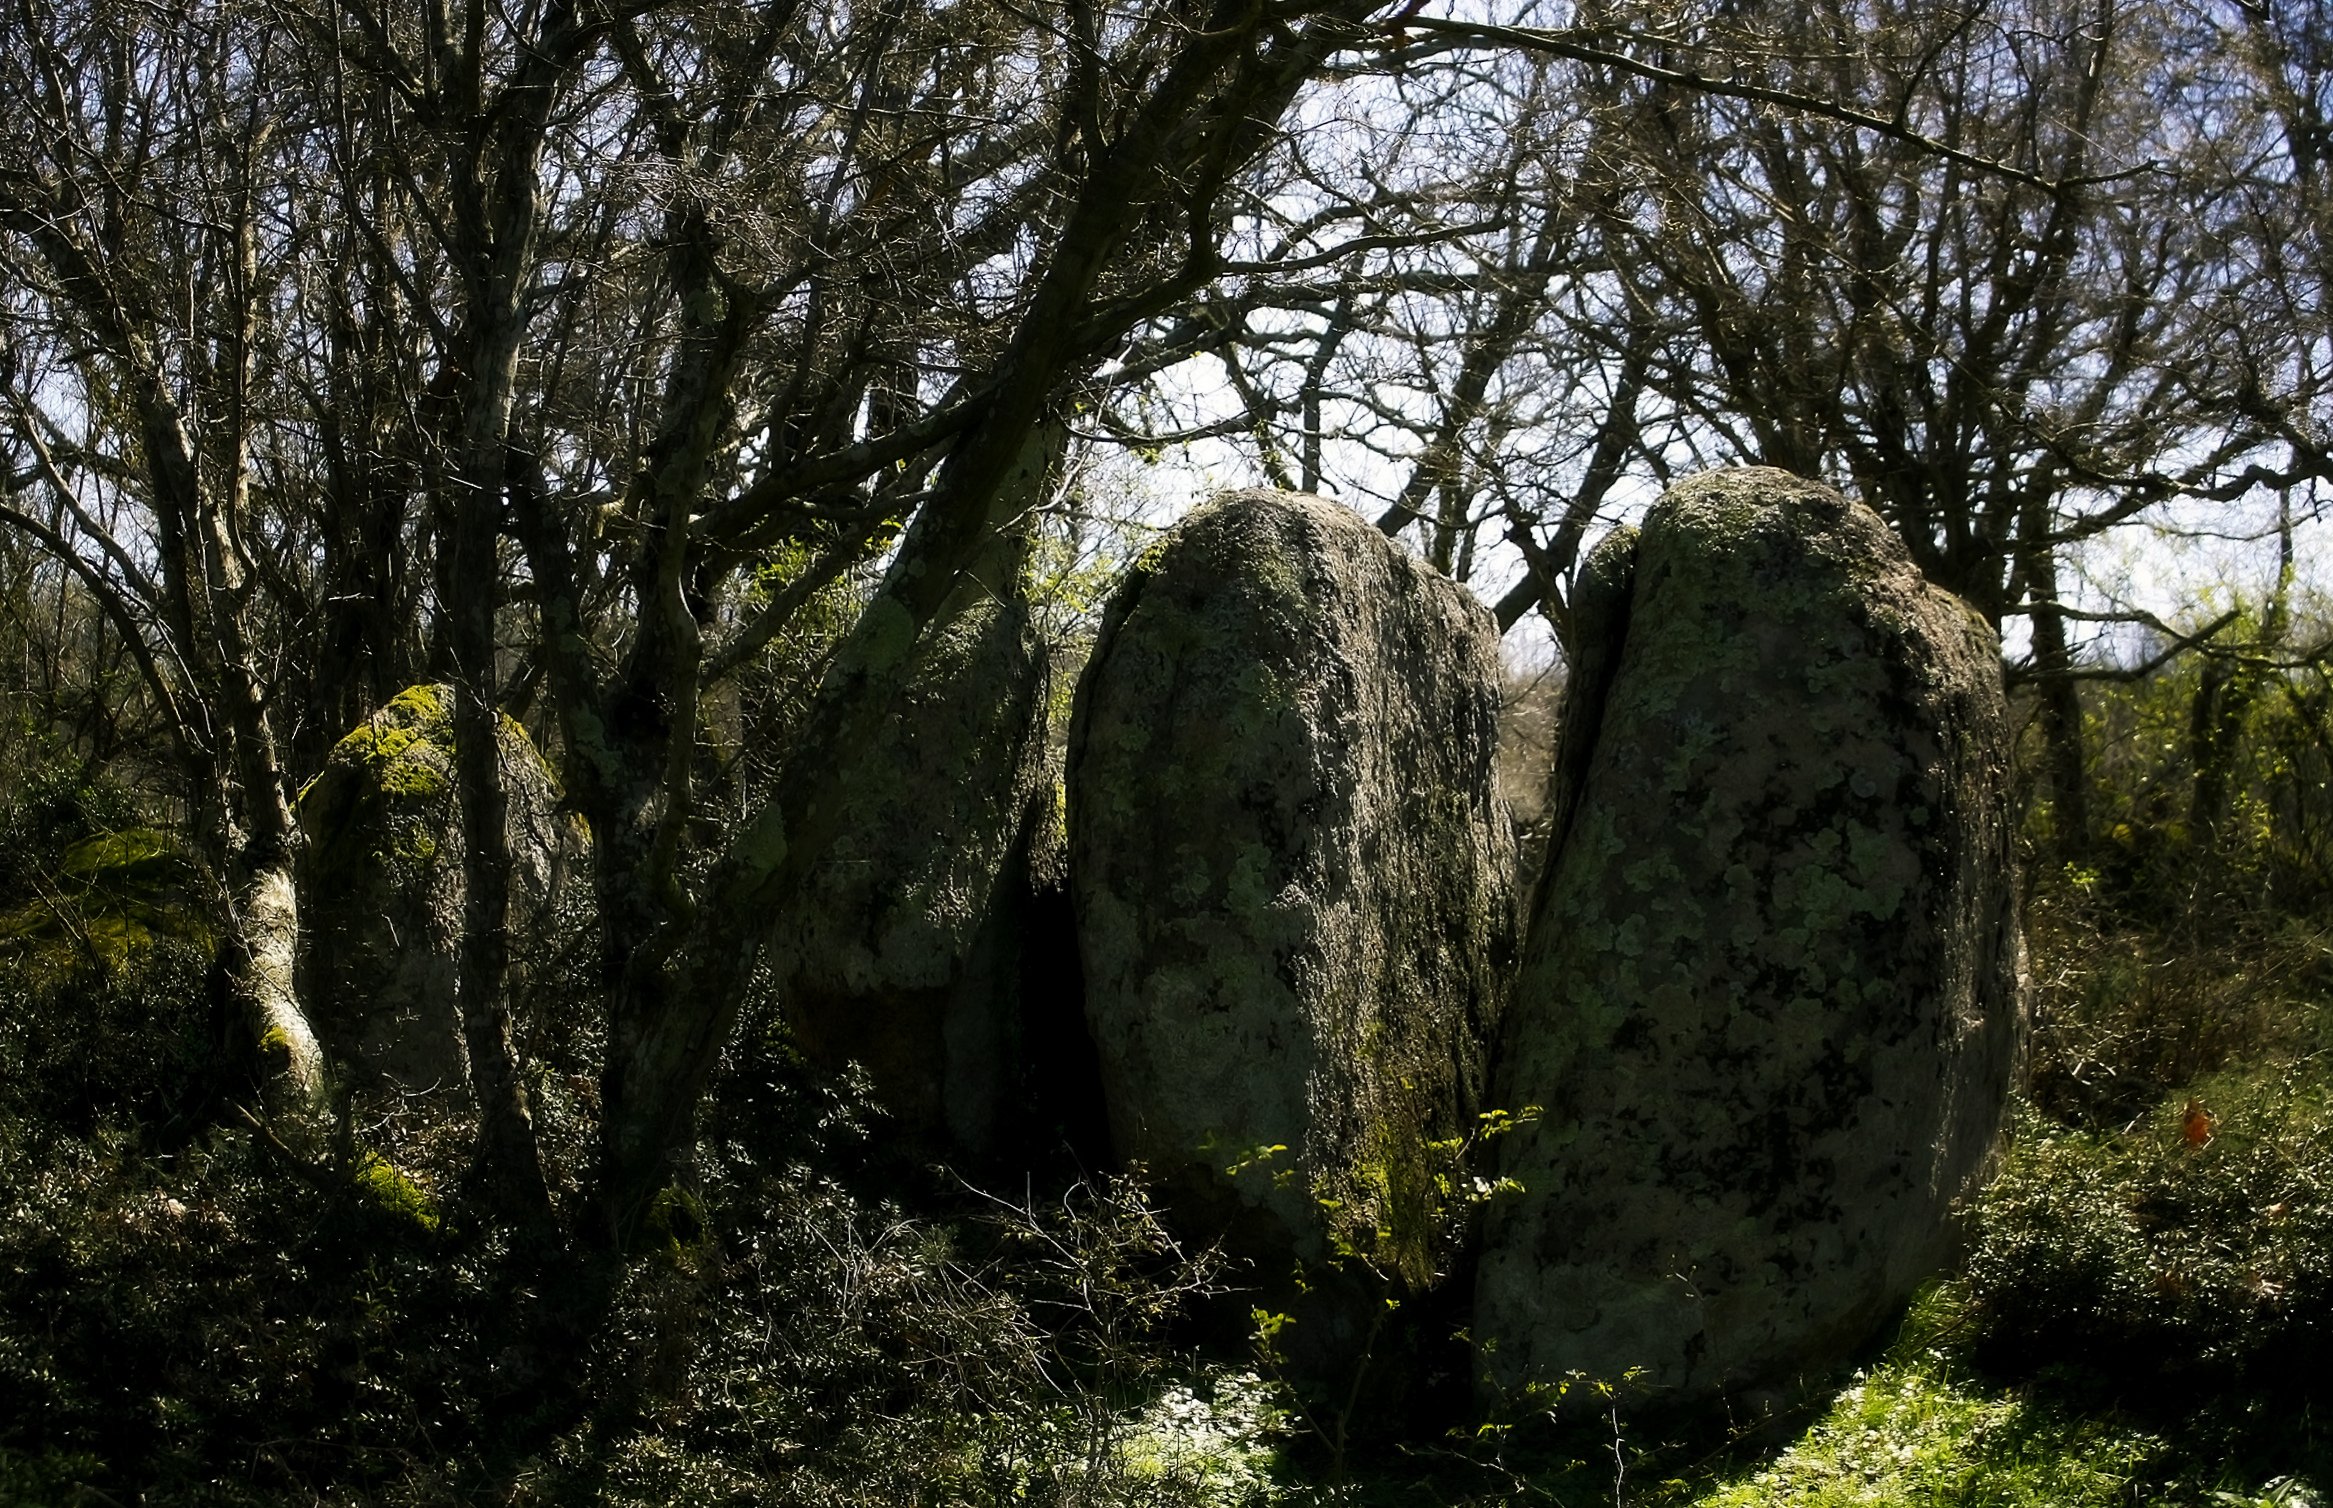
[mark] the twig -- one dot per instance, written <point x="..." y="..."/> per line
<point x="1568" y="44"/>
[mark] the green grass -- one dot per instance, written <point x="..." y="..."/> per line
<point x="1926" y="1427"/>
<point x="1921" y="1427"/>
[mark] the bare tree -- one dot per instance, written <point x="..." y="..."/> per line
<point x="1424" y="325"/>
<point x="141" y="267"/>
<point x="1951" y="260"/>
<point x="579" y="354"/>
<point x="597" y="311"/>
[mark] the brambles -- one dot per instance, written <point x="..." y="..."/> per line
<point x="178" y="1291"/>
<point x="2157" y="1254"/>
<point x="2164" y="1218"/>
<point x="2126" y="1016"/>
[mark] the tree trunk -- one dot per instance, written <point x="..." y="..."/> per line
<point x="1210" y="108"/>
<point x="2065" y="756"/>
<point x="2222" y="706"/>
<point x="2215" y="725"/>
<point x="262" y="942"/>
<point x="675" y="1004"/>
<point x="509" y="1160"/>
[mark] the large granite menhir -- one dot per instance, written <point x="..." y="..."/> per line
<point x="902" y="951"/>
<point x="380" y="888"/>
<point x="1293" y="888"/>
<point x="1770" y="1002"/>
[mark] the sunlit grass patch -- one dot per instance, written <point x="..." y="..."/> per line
<point x="1924" y="1427"/>
<point x="1909" y="1433"/>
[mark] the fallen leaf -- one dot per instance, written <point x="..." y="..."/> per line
<point x="2198" y="1124"/>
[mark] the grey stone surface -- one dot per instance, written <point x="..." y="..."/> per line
<point x="380" y="889"/>
<point x="901" y="952"/>
<point x="1293" y="882"/>
<point x="1771" y="1000"/>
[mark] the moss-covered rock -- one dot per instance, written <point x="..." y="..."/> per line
<point x="380" y="888"/>
<point x="902" y="949"/>
<point x="392" y="1191"/>
<point x="1294" y="893"/>
<point x="109" y="899"/>
<point x="1770" y="1000"/>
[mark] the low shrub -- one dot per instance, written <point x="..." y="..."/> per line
<point x="840" y="1351"/>
<point x="2166" y="1205"/>
<point x="210" y="1316"/>
<point x="2197" y="1246"/>
<point x="144" y="1046"/>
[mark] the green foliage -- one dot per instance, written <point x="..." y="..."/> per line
<point x="1079" y="553"/>
<point x="175" y="1294"/>
<point x="211" y="1315"/>
<point x="2126" y="1015"/>
<point x="2198" y="1246"/>
<point x="2212" y="787"/>
<point x="1216" y="1439"/>
<point x="2166" y="1208"/>
<point x="43" y="1481"/>
<point x="53" y="801"/>
<point x="829" y="1348"/>
<point x="83" y="881"/>
<point x="141" y="1046"/>
<point x="1926" y="1425"/>
<point x="1922" y="1428"/>
<point x="676" y="1227"/>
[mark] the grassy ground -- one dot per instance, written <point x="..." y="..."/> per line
<point x="1925" y="1425"/>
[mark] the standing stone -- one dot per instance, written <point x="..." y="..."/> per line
<point x="380" y="886"/>
<point x="1770" y="1000"/>
<point x="901" y="952"/>
<point x="1293" y="887"/>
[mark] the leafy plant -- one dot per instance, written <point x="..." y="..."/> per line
<point x="2197" y="1247"/>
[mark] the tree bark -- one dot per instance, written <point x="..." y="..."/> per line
<point x="260" y="949"/>
<point x="2065" y="755"/>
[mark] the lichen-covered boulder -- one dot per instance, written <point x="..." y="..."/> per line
<point x="1293" y="886"/>
<point x="110" y="898"/>
<point x="1770" y="1001"/>
<point x="901" y="950"/>
<point x="380" y="889"/>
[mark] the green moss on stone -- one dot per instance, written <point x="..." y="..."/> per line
<point x="388" y="1189"/>
<point x="425" y="705"/>
<point x="136" y="851"/>
<point x="390" y="779"/>
<point x="117" y="894"/>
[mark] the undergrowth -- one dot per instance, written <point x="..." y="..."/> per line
<point x="2166" y="1206"/>
<point x="193" y="1312"/>
<point x="1927" y="1423"/>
